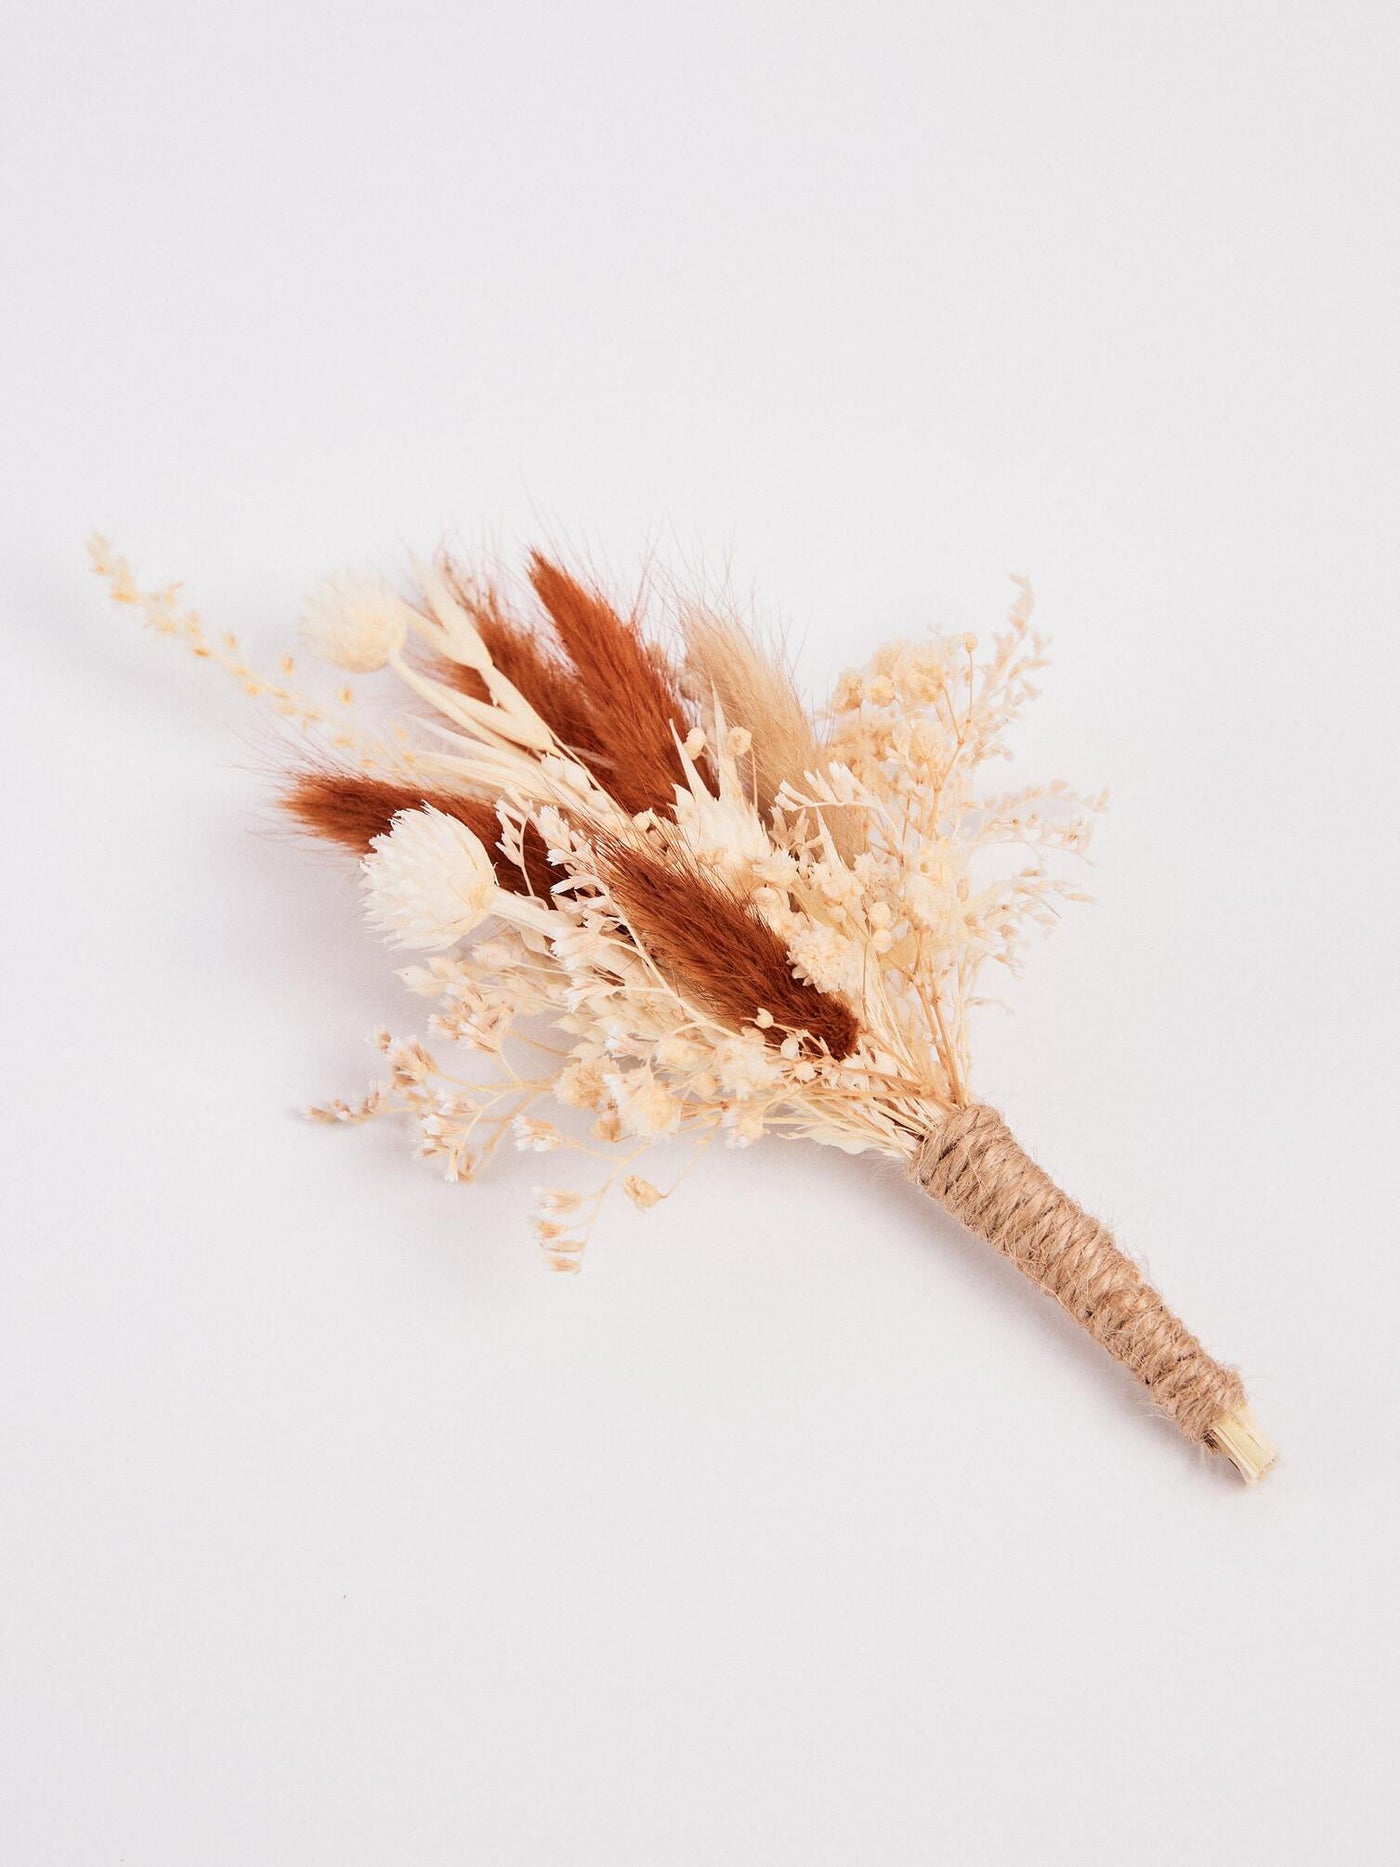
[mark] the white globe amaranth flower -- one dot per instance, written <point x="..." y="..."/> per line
<point x="429" y="881"/>
<point x="355" y="621"/>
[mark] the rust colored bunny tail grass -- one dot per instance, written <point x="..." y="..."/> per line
<point x="542" y="676"/>
<point x="350" y="811"/>
<point x="637" y="712"/>
<point x="722" y="955"/>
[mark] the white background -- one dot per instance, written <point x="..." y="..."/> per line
<point x="795" y="1530"/>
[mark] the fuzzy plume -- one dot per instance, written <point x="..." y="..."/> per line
<point x="351" y="810"/>
<point x="532" y="663"/>
<point x="720" y="953"/>
<point x="755" y="690"/>
<point x="635" y="706"/>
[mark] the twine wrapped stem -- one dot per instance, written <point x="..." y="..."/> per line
<point x="973" y="1165"/>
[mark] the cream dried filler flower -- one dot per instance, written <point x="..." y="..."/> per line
<point x="658" y="899"/>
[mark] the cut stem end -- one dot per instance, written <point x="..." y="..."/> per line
<point x="1249" y="1449"/>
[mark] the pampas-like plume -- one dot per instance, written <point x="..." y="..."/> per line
<point x="762" y="932"/>
<point x="720" y="952"/>
<point x="755" y="690"/>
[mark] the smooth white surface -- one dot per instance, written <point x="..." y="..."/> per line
<point x="795" y="1530"/>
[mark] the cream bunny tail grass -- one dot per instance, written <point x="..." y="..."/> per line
<point x="656" y="898"/>
<point x="727" y="668"/>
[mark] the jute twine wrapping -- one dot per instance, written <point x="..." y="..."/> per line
<point x="974" y="1167"/>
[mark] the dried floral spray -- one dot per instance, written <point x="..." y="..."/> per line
<point x="663" y="900"/>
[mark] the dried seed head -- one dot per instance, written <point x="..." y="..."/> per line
<point x="355" y="621"/>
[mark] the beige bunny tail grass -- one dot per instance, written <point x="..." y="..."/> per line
<point x="756" y="691"/>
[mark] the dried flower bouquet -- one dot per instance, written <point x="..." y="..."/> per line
<point x="664" y="901"/>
